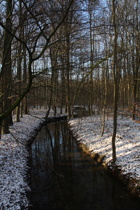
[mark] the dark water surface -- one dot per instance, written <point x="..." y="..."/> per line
<point x="63" y="178"/>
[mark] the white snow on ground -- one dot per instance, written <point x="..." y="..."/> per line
<point x="13" y="162"/>
<point x="88" y="131"/>
<point x="13" y="153"/>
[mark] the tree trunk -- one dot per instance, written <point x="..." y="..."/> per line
<point x="6" y="73"/>
<point x="116" y="81"/>
<point x="68" y="104"/>
<point x="91" y="65"/>
<point x="137" y="63"/>
<point x="19" y="60"/>
<point x="104" y="101"/>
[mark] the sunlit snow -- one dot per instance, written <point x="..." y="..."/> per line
<point x="88" y="131"/>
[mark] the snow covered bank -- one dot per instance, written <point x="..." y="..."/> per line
<point x="88" y="132"/>
<point x="13" y="162"/>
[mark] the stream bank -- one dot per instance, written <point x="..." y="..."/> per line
<point x="113" y="169"/>
<point x="127" y="167"/>
<point x="63" y="177"/>
<point x="14" y="156"/>
<point x="13" y="162"/>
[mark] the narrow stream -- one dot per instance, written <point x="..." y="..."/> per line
<point x="65" y="178"/>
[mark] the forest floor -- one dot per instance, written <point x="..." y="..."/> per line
<point x="87" y="131"/>
<point x="13" y="161"/>
<point x="14" y="154"/>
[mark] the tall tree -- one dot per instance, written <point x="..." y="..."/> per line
<point x="136" y="59"/>
<point x="115" y="78"/>
<point x="19" y="61"/>
<point x="6" y="72"/>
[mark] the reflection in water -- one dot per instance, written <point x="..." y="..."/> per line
<point x="64" y="178"/>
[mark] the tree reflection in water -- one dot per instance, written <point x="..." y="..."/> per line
<point x="62" y="177"/>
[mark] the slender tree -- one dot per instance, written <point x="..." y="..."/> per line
<point x="115" y="78"/>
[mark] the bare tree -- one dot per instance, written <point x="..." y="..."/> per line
<point x="35" y="51"/>
<point x="6" y="71"/>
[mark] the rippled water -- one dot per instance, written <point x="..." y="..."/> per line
<point x="65" y="178"/>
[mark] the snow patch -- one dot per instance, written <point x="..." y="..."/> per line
<point x="13" y="162"/>
<point x="88" y="131"/>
